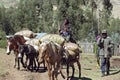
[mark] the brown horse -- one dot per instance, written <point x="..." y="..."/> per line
<point x="72" y="51"/>
<point x="12" y="45"/>
<point x="50" y="52"/>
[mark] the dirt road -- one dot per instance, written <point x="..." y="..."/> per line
<point x="90" y="70"/>
<point x="8" y="72"/>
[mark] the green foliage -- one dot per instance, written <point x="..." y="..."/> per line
<point x="3" y="43"/>
<point x="40" y="16"/>
<point x="2" y="39"/>
<point x="114" y="29"/>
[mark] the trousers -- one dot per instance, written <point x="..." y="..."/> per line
<point x="105" y="65"/>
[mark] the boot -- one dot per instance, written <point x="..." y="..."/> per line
<point x="108" y="73"/>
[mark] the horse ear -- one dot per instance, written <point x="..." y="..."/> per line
<point x="7" y="37"/>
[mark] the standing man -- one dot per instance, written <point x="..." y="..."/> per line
<point x="105" y="43"/>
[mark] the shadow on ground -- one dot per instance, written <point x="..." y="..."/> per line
<point x="83" y="78"/>
<point x="115" y="72"/>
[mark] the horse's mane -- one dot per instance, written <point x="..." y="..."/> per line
<point x="19" y="38"/>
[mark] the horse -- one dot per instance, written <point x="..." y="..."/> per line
<point x="72" y="52"/>
<point x="35" y="43"/>
<point x="30" y="52"/>
<point x="12" y="44"/>
<point x="51" y="53"/>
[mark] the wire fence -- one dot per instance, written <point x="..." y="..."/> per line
<point x="89" y="48"/>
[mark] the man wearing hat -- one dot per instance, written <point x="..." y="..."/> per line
<point x="105" y="43"/>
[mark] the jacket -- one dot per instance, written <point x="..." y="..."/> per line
<point x="106" y="46"/>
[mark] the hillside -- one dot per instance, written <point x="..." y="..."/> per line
<point x="115" y="12"/>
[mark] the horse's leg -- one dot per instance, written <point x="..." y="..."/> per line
<point x="38" y="66"/>
<point x="22" y="61"/>
<point x="26" y="61"/>
<point x="53" y="72"/>
<point x="31" y="59"/>
<point x="15" y="59"/>
<point x="18" y="59"/>
<point x="29" y="65"/>
<point x="44" y="64"/>
<point x="67" y="71"/>
<point x="57" y="68"/>
<point x="79" y="67"/>
<point x="15" y="62"/>
<point x="34" y="61"/>
<point x="61" y="71"/>
<point x="38" y="63"/>
<point x="73" y="70"/>
<point x="49" y="70"/>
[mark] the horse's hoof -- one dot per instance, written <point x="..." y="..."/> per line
<point x="31" y="70"/>
<point x="28" y="68"/>
<point x="24" y="66"/>
<point x="37" y="70"/>
<point x="79" y="76"/>
<point x="18" y="68"/>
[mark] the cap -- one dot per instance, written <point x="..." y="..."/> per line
<point x="104" y="31"/>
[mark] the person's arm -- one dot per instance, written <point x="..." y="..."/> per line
<point x="111" y="43"/>
<point x="100" y="42"/>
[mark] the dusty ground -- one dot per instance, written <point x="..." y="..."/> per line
<point x="90" y="69"/>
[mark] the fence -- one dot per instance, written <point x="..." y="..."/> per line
<point x="89" y="48"/>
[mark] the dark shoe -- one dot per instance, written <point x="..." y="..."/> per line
<point x="108" y="73"/>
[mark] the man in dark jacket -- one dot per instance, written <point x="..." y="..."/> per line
<point x="105" y="43"/>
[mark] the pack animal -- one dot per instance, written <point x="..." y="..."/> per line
<point x="51" y="53"/>
<point x="12" y="45"/>
<point x="72" y="52"/>
<point x="30" y="53"/>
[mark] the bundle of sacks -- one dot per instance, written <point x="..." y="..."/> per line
<point x="26" y="33"/>
<point x="34" y="42"/>
<point x="53" y="37"/>
<point x="72" y="48"/>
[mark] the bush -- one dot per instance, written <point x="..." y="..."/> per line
<point x="3" y="43"/>
<point x="2" y="39"/>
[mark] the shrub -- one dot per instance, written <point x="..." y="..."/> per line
<point x="3" y="43"/>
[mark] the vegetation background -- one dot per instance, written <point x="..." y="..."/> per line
<point x="87" y="17"/>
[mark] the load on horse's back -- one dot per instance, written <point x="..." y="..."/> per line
<point x="65" y="31"/>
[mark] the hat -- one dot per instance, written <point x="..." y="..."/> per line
<point x="104" y="31"/>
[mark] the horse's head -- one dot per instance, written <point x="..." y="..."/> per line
<point x="42" y="50"/>
<point x="12" y="42"/>
<point x="11" y="45"/>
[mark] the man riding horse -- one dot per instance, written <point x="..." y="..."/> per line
<point x="65" y="31"/>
